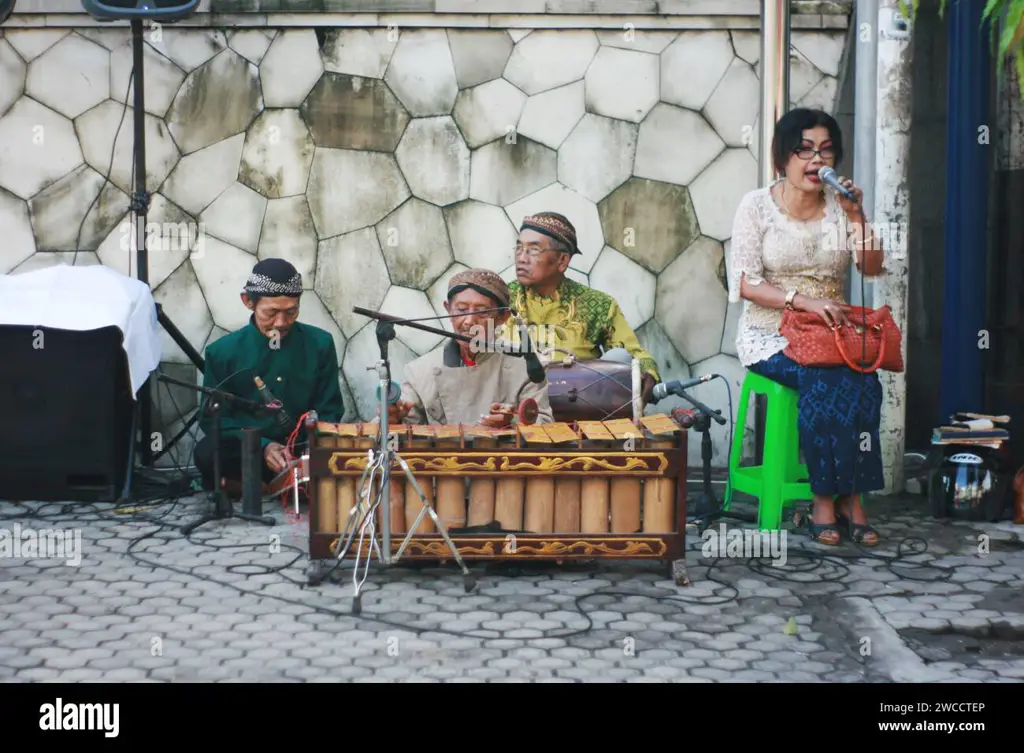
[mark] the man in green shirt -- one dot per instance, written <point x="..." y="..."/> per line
<point x="297" y="363"/>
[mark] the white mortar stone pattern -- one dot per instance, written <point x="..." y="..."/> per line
<point x="381" y="162"/>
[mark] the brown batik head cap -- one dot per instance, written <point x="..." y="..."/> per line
<point x="555" y="226"/>
<point x="483" y="281"/>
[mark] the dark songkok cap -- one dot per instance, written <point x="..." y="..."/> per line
<point x="483" y="281"/>
<point x="274" y="277"/>
<point x="555" y="226"/>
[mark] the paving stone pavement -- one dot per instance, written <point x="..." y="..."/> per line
<point x="230" y="604"/>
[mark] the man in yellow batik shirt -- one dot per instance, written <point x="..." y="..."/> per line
<point x="584" y="321"/>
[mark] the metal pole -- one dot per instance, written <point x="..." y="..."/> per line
<point x="774" y="78"/>
<point x="864" y="123"/>
<point x="252" y="472"/>
<point x="892" y="210"/>
<point x="140" y="205"/>
<point x="774" y="104"/>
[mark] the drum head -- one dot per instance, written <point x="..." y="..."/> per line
<point x="528" y="411"/>
<point x="590" y="390"/>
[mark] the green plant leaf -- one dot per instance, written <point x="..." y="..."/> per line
<point x="1005" y="19"/>
<point x="1020" y="71"/>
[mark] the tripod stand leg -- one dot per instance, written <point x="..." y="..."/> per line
<point x="317" y="571"/>
<point x="470" y="582"/>
<point x="369" y="521"/>
<point x="222" y="507"/>
<point x="227" y="514"/>
<point x="126" y="492"/>
<point x="354" y="518"/>
<point x="363" y="516"/>
<point x="264" y="519"/>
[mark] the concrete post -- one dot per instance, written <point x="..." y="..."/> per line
<point x="774" y="103"/>
<point x="864" y="125"/>
<point x="891" y="218"/>
<point x="774" y="78"/>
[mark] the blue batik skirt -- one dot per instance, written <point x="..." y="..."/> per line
<point x="839" y="415"/>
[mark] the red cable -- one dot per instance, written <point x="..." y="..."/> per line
<point x="293" y="517"/>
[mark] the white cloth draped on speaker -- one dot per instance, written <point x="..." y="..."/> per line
<point x="87" y="298"/>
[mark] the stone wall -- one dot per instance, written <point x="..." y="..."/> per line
<point x="381" y="159"/>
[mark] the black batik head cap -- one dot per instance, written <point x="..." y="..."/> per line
<point x="274" y="277"/>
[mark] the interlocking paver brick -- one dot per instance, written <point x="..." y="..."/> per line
<point x="210" y="625"/>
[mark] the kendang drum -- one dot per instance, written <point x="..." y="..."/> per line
<point x="595" y="390"/>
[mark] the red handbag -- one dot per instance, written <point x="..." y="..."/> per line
<point x="871" y="342"/>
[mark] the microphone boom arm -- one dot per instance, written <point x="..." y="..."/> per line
<point x="221" y="395"/>
<point x="406" y="323"/>
<point x="393" y="320"/>
<point x="714" y="415"/>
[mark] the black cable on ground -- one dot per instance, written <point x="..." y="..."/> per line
<point x="812" y="562"/>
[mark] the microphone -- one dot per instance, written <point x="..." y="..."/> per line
<point x="828" y="176"/>
<point x="394" y="393"/>
<point x="664" y="389"/>
<point x="534" y="368"/>
<point x="280" y="414"/>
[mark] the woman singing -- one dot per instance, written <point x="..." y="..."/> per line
<point x="791" y="248"/>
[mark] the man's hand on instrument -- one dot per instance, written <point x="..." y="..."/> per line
<point x="500" y="416"/>
<point x="647" y="388"/>
<point x="398" y="411"/>
<point x="276" y="457"/>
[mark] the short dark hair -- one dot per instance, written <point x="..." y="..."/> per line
<point x="789" y="132"/>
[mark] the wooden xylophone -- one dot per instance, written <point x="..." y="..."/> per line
<point x="556" y="491"/>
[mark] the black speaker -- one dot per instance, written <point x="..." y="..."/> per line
<point x="161" y="11"/>
<point x="65" y="416"/>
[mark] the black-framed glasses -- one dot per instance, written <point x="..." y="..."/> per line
<point x="807" y="152"/>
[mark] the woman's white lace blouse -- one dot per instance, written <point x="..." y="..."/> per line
<point x="767" y="245"/>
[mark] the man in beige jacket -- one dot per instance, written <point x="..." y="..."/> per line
<point x="462" y="383"/>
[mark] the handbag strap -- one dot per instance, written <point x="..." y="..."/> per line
<point x="863" y="370"/>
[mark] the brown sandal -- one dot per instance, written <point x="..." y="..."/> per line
<point x="858" y="532"/>
<point x="818" y="530"/>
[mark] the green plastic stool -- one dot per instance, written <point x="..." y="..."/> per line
<point x="782" y="479"/>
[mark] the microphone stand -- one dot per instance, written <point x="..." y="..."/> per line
<point x="142" y="418"/>
<point x="222" y="507"/>
<point x="708" y="507"/>
<point x="381" y="462"/>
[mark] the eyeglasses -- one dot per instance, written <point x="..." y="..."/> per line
<point x="532" y="252"/>
<point x="807" y="152"/>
